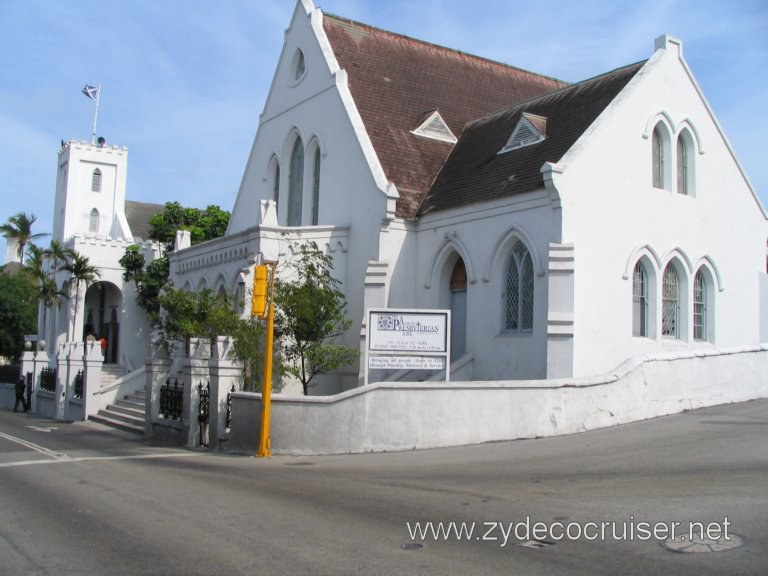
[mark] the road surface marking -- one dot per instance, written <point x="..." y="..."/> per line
<point x="67" y="459"/>
<point x="38" y="429"/>
<point x="33" y="446"/>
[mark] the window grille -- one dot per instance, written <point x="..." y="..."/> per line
<point x="670" y="314"/>
<point x="699" y="307"/>
<point x="519" y="292"/>
<point x="639" y="301"/>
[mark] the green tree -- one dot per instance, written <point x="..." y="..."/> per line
<point x="58" y="255"/>
<point x="81" y="272"/>
<point x="310" y="314"/>
<point x="202" y="224"/>
<point x="18" y="311"/>
<point x="19" y="227"/>
<point x="188" y="315"/>
<point x="194" y="315"/>
<point x="150" y="279"/>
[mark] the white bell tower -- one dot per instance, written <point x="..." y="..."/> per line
<point x="90" y="191"/>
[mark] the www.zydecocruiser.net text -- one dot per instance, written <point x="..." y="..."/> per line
<point x="629" y="530"/>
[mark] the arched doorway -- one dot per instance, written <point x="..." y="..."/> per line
<point x="102" y="316"/>
<point x="458" y="290"/>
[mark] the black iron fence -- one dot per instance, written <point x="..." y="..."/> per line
<point x="229" y="407"/>
<point x="78" y="385"/>
<point x="48" y="379"/>
<point x="171" y="400"/>
<point x="203" y="412"/>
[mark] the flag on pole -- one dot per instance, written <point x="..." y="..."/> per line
<point x="90" y="91"/>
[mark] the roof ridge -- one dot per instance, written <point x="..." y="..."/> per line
<point x="551" y="93"/>
<point x="439" y="46"/>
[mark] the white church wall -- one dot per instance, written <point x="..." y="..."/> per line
<point x="317" y="108"/>
<point x="484" y="235"/>
<point x="611" y="212"/>
<point x="104" y="253"/>
<point x="390" y="416"/>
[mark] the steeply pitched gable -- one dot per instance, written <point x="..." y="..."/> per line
<point x="395" y="81"/>
<point x="477" y="172"/>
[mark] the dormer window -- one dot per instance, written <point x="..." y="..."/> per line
<point x="531" y="129"/>
<point x="435" y="127"/>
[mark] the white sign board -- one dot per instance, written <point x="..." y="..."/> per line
<point x="398" y="331"/>
<point x="406" y="362"/>
<point x="408" y="340"/>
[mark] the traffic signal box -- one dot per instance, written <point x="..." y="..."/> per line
<point x="260" y="289"/>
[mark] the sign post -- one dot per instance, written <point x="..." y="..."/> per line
<point x="408" y="340"/>
<point x="261" y="303"/>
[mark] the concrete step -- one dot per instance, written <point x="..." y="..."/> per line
<point x="134" y="401"/>
<point x="113" y="420"/>
<point x="126" y="414"/>
<point x="127" y="410"/>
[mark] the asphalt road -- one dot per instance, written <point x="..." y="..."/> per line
<point x="78" y="499"/>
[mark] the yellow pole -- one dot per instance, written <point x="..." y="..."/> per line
<point x="266" y="386"/>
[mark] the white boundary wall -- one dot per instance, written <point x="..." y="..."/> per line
<point x="403" y="416"/>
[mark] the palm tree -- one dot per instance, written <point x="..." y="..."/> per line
<point x="35" y="262"/>
<point x="19" y="227"/>
<point x="81" y="271"/>
<point x="57" y="254"/>
<point x="48" y="294"/>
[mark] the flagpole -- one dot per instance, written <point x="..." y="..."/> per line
<point x="96" y="113"/>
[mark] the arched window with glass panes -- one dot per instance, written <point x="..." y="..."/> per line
<point x="96" y="181"/>
<point x="640" y="301"/>
<point x="670" y="304"/>
<point x="518" y="297"/>
<point x="296" y="184"/>
<point x="93" y="221"/>
<point x="699" y="307"/>
<point x="316" y="188"/>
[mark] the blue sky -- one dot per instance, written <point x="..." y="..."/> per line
<point x="184" y="81"/>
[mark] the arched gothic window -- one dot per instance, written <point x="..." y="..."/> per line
<point x="682" y="167"/>
<point x="657" y="151"/>
<point x="96" y="181"/>
<point x="296" y="184"/>
<point x="639" y="301"/>
<point x="699" y="307"/>
<point x="93" y="221"/>
<point x="316" y="188"/>
<point x="276" y="182"/>
<point x="518" y="300"/>
<point x="670" y="311"/>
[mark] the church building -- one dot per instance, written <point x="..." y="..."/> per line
<point x="567" y="227"/>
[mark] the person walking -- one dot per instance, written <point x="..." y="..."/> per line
<point x="21" y="388"/>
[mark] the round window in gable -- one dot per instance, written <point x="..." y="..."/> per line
<point x="299" y="67"/>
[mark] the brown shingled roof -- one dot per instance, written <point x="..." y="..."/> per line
<point x="138" y="214"/>
<point x="476" y="172"/>
<point x="395" y="81"/>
